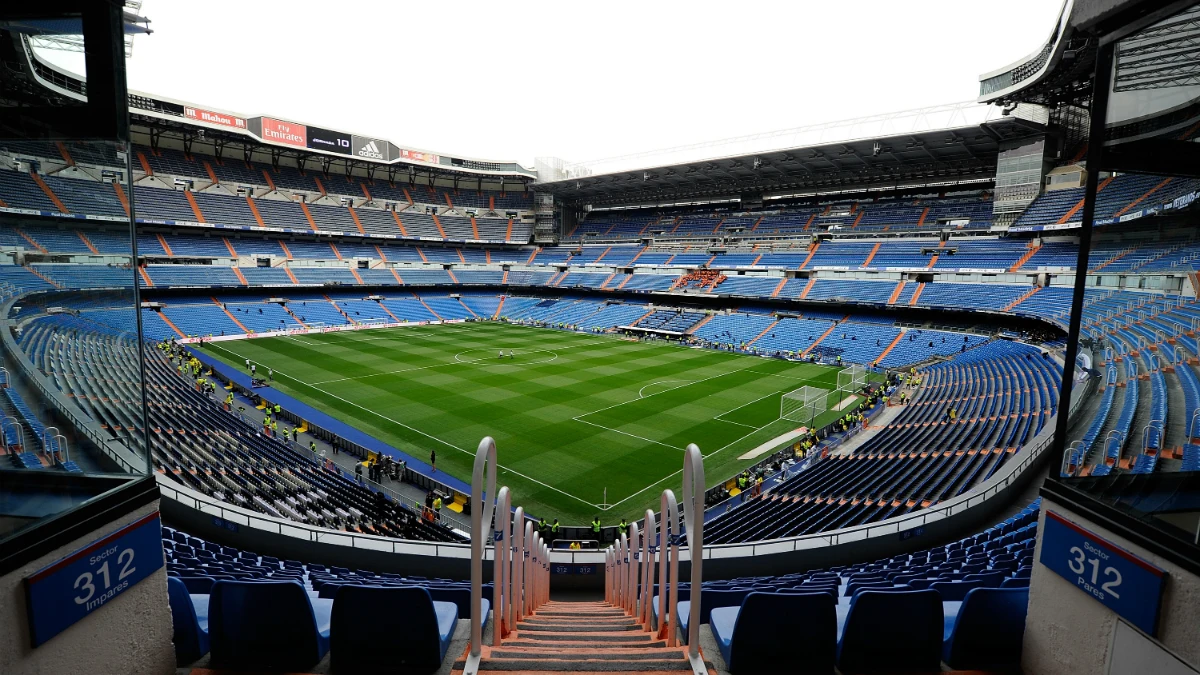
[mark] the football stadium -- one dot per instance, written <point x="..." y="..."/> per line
<point x="906" y="392"/>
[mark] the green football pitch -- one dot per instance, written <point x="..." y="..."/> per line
<point x="584" y="424"/>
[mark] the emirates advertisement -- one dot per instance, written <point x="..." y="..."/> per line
<point x="284" y="133"/>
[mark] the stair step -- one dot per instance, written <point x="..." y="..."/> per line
<point x="593" y="637"/>
<point x="583" y="615"/>
<point x="559" y="653"/>
<point x="575" y="628"/>
<point x="579" y="643"/>
<point x="581" y="666"/>
<point x="599" y="621"/>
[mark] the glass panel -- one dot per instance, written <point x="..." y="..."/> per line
<point x="72" y="419"/>
<point x="1133" y="442"/>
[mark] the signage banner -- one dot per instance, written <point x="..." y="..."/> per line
<point x="284" y="133"/>
<point x="220" y="119"/>
<point x="1116" y="578"/>
<point x="414" y="156"/>
<point x="559" y="568"/>
<point x="372" y="148"/>
<point x="329" y="141"/>
<point x="69" y="589"/>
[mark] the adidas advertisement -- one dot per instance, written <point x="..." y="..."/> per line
<point x="372" y="148"/>
<point x="329" y="141"/>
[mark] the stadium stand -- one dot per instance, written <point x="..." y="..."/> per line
<point x="927" y="457"/>
<point x="965" y="601"/>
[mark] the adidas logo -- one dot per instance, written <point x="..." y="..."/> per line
<point x="370" y="151"/>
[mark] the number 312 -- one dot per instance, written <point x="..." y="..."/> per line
<point x="84" y="581"/>
<point x="1080" y="562"/>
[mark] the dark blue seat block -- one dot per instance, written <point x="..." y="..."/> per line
<point x="748" y="636"/>
<point x="461" y="597"/>
<point x="267" y="624"/>
<point x="415" y="630"/>
<point x="191" y="628"/>
<point x="892" y="631"/>
<point x="988" y="630"/>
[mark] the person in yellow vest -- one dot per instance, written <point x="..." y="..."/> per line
<point x="277" y="410"/>
<point x="437" y="507"/>
<point x="574" y="546"/>
<point x="229" y="401"/>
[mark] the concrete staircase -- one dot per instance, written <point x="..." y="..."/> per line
<point x="581" y="637"/>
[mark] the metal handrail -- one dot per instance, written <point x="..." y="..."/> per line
<point x="647" y="578"/>
<point x="1155" y="424"/>
<point x="15" y="424"/>
<point x="501" y="577"/>
<point x="668" y="573"/>
<point x="1070" y="465"/>
<point x="693" y="505"/>
<point x="481" y="514"/>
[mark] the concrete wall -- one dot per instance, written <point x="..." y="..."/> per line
<point x="1068" y="633"/>
<point x="131" y="634"/>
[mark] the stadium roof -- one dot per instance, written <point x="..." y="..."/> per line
<point x="925" y="154"/>
<point x="32" y="78"/>
<point x="1061" y="69"/>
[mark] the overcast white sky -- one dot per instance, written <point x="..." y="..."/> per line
<point x="577" y="80"/>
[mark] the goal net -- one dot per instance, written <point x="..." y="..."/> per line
<point x="852" y="379"/>
<point x="803" y="405"/>
<point x="372" y="322"/>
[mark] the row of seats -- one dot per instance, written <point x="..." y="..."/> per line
<point x="963" y="604"/>
<point x="973" y="210"/>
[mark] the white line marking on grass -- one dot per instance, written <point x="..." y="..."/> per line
<point x="641" y="392"/>
<point x="418" y="431"/>
<point x="718" y="417"/>
<point x="639" y="398"/>
<point x="748" y="426"/>
<point x="390" y="372"/>
<point x="500" y="360"/>
<point x="624" y="433"/>
<point x="676" y="473"/>
<point x="786" y="377"/>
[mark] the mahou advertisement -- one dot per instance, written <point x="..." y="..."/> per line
<point x="201" y="115"/>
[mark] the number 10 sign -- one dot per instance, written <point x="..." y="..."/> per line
<point x="71" y="588"/>
<point x="1116" y="578"/>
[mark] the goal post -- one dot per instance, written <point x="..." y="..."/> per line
<point x="803" y="405"/>
<point x="852" y="379"/>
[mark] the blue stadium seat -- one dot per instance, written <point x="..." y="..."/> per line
<point x="376" y="627"/>
<point x="987" y="633"/>
<point x="890" y="631"/>
<point x="709" y="599"/>
<point x="190" y="622"/>
<point x="461" y="597"/>
<point x="267" y="625"/>
<point x="749" y="636"/>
